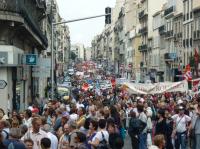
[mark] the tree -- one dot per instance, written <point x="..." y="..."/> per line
<point x="73" y="56"/>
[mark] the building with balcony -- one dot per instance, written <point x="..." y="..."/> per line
<point x="22" y="31"/>
<point x="173" y="36"/>
<point x="62" y="49"/>
<point x="187" y="31"/>
<point x="158" y="47"/>
<point x="196" y="24"/>
<point x="78" y="49"/>
<point x="145" y="15"/>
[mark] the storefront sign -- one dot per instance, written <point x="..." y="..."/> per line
<point x="31" y="59"/>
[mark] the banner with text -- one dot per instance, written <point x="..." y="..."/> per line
<point x="157" y="88"/>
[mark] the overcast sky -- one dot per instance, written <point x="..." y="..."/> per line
<point x="84" y="31"/>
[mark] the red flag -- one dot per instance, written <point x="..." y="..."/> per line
<point x="196" y="56"/>
<point x="85" y="87"/>
<point x="188" y="73"/>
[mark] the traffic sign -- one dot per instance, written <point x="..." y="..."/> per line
<point x="3" y="84"/>
<point x="31" y="59"/>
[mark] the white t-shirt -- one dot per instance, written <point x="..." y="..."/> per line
<point x="181" y="122"/>
<point x="99" y="135"/>
<point x="54" y="140"/>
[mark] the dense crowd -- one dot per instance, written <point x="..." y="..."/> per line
<point x="87" y="120"/>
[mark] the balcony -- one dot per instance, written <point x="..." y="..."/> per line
<point x="170" y="56"/>
<point x="169" y="11"/>
<point x="191" y="42"/>
<point x="184" y="45"/>
<point x="162" y="30"/>
<point x="187" y="43"/>
<point x="26" y="13"/>
<point x="142" y="48"/>
<point x="143" y="30"/>
<point x="196" y="35"/>
<point x="169" y="34"/>
<point x="142" y="15"/>
<point x="177" y="36"/>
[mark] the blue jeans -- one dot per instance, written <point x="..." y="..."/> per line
<point x="181" y="140"/>
<point x="143" y="141"/>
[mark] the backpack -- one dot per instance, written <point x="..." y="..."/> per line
<point x="136" y="126"/>
<point x="102" y="144"/>
<point x="7" y="134"/>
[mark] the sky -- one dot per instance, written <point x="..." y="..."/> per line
<point x="84" y="31"/>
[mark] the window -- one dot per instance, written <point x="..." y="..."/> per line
<point x="184" y="8"/>
<point x="191" y="31"/>
<point x="175" y="28"/>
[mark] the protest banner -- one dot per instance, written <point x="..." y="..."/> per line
<point x="157" y="88"/>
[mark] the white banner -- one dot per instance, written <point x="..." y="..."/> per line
<point x="157" y="88"/>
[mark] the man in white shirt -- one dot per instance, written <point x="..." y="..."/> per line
<point x="181" y="122"/>
<point x="52" y="137"/>
<point x="35" y="133"/>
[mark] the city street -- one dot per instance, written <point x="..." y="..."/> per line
<point x="73" y="73"/>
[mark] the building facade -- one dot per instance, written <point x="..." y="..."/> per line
<point x="21" y="34"/>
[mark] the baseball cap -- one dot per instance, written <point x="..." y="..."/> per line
<point x="65" y="114"/>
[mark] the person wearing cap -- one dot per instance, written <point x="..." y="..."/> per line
<point x="65" y="118"/>
<point x="181" y="122"/>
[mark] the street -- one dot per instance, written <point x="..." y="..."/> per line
<point x="73" y="71"/>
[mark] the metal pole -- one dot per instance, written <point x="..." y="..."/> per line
<point x="52" y="62"/>
<point x="80" y="19"/>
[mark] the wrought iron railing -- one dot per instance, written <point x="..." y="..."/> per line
<point x="19" y="7"/>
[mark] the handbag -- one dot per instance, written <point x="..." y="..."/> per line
<point x="102" y="144"/>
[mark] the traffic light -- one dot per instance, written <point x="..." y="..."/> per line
<point x="108" y="15"/>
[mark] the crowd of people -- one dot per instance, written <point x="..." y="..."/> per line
<point x="86" y="120"/>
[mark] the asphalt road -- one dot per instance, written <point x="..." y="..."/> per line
<point x="127" y="142"/>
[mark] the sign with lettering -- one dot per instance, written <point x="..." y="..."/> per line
<point x="157" y="88"/>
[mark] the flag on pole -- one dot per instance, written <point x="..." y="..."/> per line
<point x="188" y="73"/>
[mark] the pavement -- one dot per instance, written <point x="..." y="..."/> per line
<point x="127" y="142"/>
